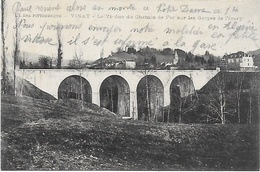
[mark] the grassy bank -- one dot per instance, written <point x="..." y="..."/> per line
<point x="54" y="136"/>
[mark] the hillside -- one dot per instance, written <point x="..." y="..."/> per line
<point x="256" y="52"/>
<point x="122" y="56"/>
<point x="50" y="135"/>
<point x="19" y="110"/>
<point x="25" y="88"/>
<point x="161" y="56"/>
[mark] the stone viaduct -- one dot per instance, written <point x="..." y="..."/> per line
<point x="127" y="81"/>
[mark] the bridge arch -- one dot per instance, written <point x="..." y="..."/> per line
<point x="150" y="98"/>
<point x="115" y="95"/>
<point x="182" y="98"/>
<point x="75" y="87"/>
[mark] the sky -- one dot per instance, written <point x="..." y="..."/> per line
<point x="92" y="28"/>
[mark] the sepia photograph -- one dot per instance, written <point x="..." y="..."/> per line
<point x="131" y="85"/>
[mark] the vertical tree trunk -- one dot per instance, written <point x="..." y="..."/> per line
<point x="168" y="114"/>
<point x="16" y="52"/>
<point x="222" y="107"/>
<point x="250" y="109"/>
<point x="238" y="110"/>
<point x="222" y="114"/>
<point x="147" y="98"/>
<point x="239" y="82"/>
<point x="3" y="49"/>
<point x="180" y="111"/>
<point x="81" y="92"/>
<point x="111" y="98"/>
<point x="59" y="49"/>
<point x="163" y="115"/>
<point x="21" y="92"/>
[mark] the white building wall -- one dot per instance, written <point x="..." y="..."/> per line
<point x="247" y="61"/>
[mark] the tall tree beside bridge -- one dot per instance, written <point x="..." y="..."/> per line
<point x="60" y="53"/>
<point x="150" y="98"/>
<point x="183" y="97"/>
<point x="3" y="36"/>
<point x="78" y="62"/>
<point x="254" y="91"/>
<point x="239" y="79"/>
<point x="217" y="96"/>
<point x="16" y="51"/>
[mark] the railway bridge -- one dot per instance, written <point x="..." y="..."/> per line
<point x="124" y="92"/>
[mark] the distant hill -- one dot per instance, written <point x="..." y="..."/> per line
<point x="29" y="56"/>
<point x="34" y="58"/>
<point x="256" y="52"/>
<point x="164" y="58"/>
<point x="122" y="56"/>
<point x="119" y="56"/>
<point x="161" y="56"/>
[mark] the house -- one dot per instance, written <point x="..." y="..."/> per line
<point x="234" y="59"/>
<point x="247" y="63"/>
<point x="239" y="60"/>
<point x="130" y="64"/>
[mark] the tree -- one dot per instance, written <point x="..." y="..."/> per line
<point x="22" y="64"/>
<point x="254" y="90"/>
<point x="217" y="94"/>
<point x="239" y="78"/>
<point x="44" y="62"/>
<point x="81" y="90"/>
<point x="131" y="50"/>
<point x="148" y="101"/>
<point x="153" y="60"/>
<point x="149" y="97"/>
<point x="77" y="61"/>
<point x="144" y="97"/>
<point x="257" y="60"/>
<point x="189" y="57"/>
<point x="16" y="50"/>
<point x="167" y="51"/>
<point x="183" y="97"/>
<point x="211" y="61"/>
<point x="119" y="50"/>
<point x="4" y="71"/>
<point x="148" y="57"/>
<point x="60" y="53"/>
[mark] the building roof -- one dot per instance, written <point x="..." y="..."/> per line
<point x="239" y="54"/>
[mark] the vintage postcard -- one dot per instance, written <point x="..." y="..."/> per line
<point x="130" y="85"/>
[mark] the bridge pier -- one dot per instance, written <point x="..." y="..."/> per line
<point x="96" y="98"/>
<point x="166" y="95"/>
<point x="133" y="105"/>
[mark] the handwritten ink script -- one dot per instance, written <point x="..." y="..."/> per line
<point x="173" y="24"/>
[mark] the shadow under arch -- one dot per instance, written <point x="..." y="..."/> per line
<point x="182" y="98"/>
<point x="150" y="98"/>
<point x="75" y="87"/>
<point x="115" y="95"/>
